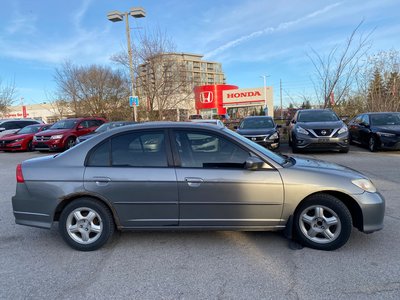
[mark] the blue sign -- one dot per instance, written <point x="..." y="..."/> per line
<point x="133" y="101"/>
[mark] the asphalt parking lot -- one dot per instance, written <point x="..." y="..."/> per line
<point x="37" y="264"/>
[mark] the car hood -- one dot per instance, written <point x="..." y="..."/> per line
<point x="326" y="167"/>
<point x="256" y="131"/>
<point x="321" y="125"/>
<point x="10" y="137"/>
<point x="52" y="132"/>
<point x="387" y="128"/>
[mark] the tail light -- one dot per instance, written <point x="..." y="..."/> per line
<point x="20" y="176"/>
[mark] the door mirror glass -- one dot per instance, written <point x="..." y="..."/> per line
<point x="253" y="163"/>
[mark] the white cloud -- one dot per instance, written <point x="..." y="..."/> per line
<point x="269" y="30"/>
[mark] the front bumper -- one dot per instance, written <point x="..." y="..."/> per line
<point x="264" y="141"/>
<point x="321" y="143"/>
<point x="49" y="145"/>
<point x="18" y="146"/>
<point x="373" y="210"/>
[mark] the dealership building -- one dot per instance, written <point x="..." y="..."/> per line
<point x="229" y="99"/>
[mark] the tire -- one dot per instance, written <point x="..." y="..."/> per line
<point x="372" y="144"/>
<point x="290" y="141"/>
<point x="29" y="147"/>
<point x="351" y="142"/>
<point x="86" y="224"/>
<point x="312" y="218"/>
<point x="69" y="143"/>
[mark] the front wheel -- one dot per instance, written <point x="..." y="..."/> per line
<point x="69" y="143"/>
<point x="322" y="222"/>
<point x="86" y="224"/>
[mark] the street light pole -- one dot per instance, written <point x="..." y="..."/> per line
<point x="116" y="16"/>
<point x="128" y="38"/>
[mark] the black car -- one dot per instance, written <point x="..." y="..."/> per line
<point x="260" y="129"/>
<point x="103" y="128"/>
<point x="318" y="129"/>
<point x="377" y="130"/>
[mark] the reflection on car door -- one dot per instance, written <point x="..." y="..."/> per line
<point x="216" y="190"/>
<point x="132" y="171"/>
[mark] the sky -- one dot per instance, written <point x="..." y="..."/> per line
<point x="249" y="37"/>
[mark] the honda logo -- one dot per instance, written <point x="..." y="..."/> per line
<point x="206" y="97"/>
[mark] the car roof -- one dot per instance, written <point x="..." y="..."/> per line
<point x="257" y="117"/>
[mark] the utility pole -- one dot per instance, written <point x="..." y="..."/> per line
<point x="280" y="96"/>
<point x="265" y="94"/>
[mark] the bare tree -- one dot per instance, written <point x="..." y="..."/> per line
<point x="7" y="95"/>
<point x="335" y="72"/>
<point x="162" y="81"/>
<point x="94" y="90"/>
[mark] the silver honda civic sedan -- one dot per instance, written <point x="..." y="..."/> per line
<point x="184" y="176"/>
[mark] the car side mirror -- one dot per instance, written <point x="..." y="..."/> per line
<point x="278" y="126"/>
<point x="253" y="163"/>
<point x="293" y="122"/>
<point x="2" y="129"/>
<point x="235" y="127"/>
<point x="80" y="127"/>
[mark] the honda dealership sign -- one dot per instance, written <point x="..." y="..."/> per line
<point x="247" y="97"/>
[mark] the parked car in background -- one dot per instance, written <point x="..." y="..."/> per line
<point x="224" y="117"/>
<point x="376" y="130"/>
<point x="63" y="134"/>
<point x="179" y="175"/>
<point x="8" y="126"/>
<point x="208" y="121"/>
<point x="103" y="128"/>
<point x="22" y="139"/>
<point x="260" y="129"/>
<point x="318" y="129"/>
<point x="195" y="117"/>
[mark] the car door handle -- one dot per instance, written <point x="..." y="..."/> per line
<point x="194" y="181"/>
<point x="101" y="180"/>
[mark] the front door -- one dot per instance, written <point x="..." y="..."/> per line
<point x="216" y="190"/>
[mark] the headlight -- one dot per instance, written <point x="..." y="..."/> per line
<point x="343" y="129"/>
<point x="364" y="184"/>
<point x="18" y="140"/>
<point x="56" y="137"/>
<point x="386" y="134"/>
<point x="34" y="138"/>
<point x="301" y="130"/>
<point x="273" y="136"/>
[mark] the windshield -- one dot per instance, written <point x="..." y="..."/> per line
<point x="317" y="116"/>
<point x="29" y="129"/>
<point x="385" y="119"/>
<point x="64" y="124"/>
<point x="103" y="128"/>
<point x="257" y="123"/>
<point x="272" y="155"/>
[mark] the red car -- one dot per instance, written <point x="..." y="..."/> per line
<point x="62" y="135"/>
<point x="22" y="139"/>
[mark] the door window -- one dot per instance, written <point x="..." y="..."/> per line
<point x="207" y="150"/>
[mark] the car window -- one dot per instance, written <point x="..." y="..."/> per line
<point x="206" y="150"/>
<point x="84" y="124"/>
<point x="365" y="120"/>
<point x="139" y="149"/>
<point x="10" y="125"/>
<point x="100" y="157"/>
<point x="257" y="123"/>
<point x="385" y="119"/>
<point x="358" y="119"/>
<point x="317" y="116"/>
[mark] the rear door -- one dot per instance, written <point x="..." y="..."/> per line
<point x="133" y="171"/>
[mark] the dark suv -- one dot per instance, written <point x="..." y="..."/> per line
<point x="318" y="129"/>
<point x="9" y="126"/>
<point x="260" y="129"/>
<point x="63" y="134"/>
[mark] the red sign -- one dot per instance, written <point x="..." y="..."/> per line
<point x="210" y="96"/>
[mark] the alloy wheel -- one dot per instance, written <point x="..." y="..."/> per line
<point x="84" y="225"/>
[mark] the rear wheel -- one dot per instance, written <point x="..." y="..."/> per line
<point x="86" y="224"/>
<point x="372" y="144"/>
<point x="322" y="222"/>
